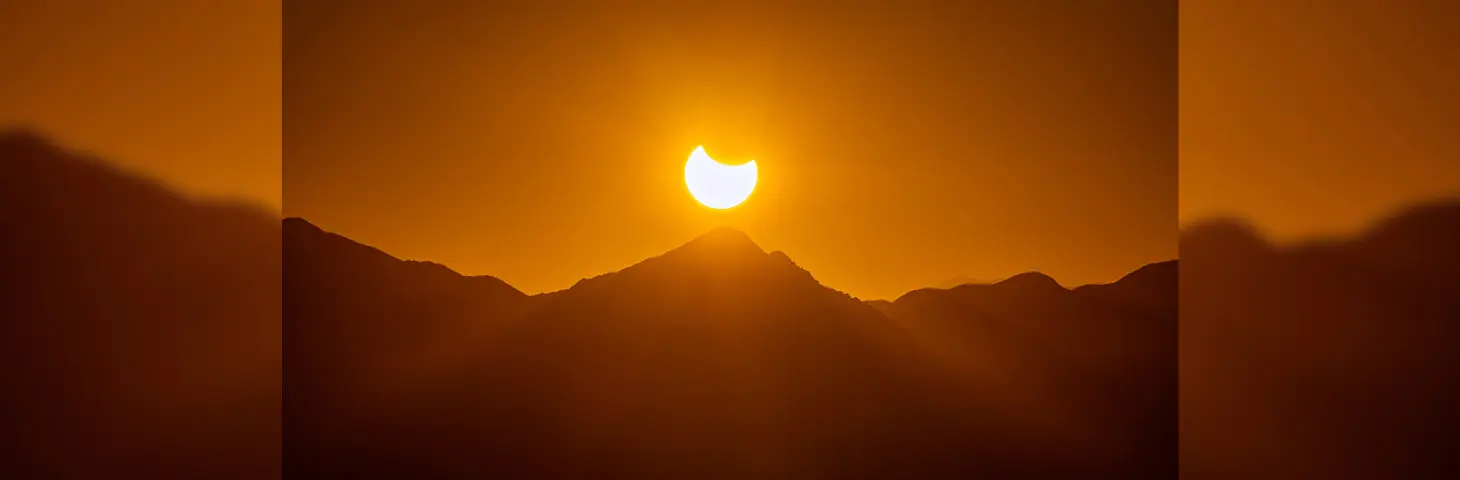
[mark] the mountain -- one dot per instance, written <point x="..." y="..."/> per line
<point x="359" y="319"/>
<point x="1098" y="362"/>
<point x="139" y="329"/>
<point x="1152" y="289"/>
<point x="713" y="360"/>
<point x="1338" y="352"/>
<point x="378" y="293"/>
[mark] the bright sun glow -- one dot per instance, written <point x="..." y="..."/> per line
<point x="718" y="185"/>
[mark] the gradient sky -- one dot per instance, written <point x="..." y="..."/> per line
<point x="186" y="91"/>
<point x="1314" y="117"/>
<point x="899" y="144"/>
<point x="888" y="138"/>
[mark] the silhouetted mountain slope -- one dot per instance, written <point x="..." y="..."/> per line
<point x="1338" y="354"/>
<point x="1422" y="242"/>
<point x="139" y="330"/>
<point x="1100" y="357"/>
<point x="1152" y="289"/>
<point x="359" y="318"/>
<point x="714" y="360"/>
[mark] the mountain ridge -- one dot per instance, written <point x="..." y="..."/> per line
<point x="732" y="355"/>
<point x="301" y="229"/>
<point x="741" y="245"/>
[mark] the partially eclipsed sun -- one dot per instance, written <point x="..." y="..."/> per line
<point x="715" y="184"/>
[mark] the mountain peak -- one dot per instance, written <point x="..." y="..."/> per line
<point x="1224" y="235"/>
<point x="724" y="241"/>
<point x="723" y="256"/>
<point x="298" y="223"/>
<point x="729" y="233"/>
<point x="1031" y="280"/>
<point x="25" y="137"/>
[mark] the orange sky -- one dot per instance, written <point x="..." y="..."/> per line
<point x="1315" y="116"/>
<point x="899" y="145"/>
<point x="185" y="90"/>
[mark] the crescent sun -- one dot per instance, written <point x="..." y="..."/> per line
<point x="717" y="185"/>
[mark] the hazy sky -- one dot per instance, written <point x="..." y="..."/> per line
<point x="899" y="145"/>
<point x="184" y="90"/>
<point x="1316" y="116"/>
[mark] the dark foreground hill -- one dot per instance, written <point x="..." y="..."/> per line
<point x="1327" y="359"/>
<point x="716" y="360"/>
<point x="139" y="330"/>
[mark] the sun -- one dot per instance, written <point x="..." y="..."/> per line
<point x="717" y="185"/>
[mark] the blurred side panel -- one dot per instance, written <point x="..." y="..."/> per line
<point x="1320" y="255"/>
<point x="139" y="241"/>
